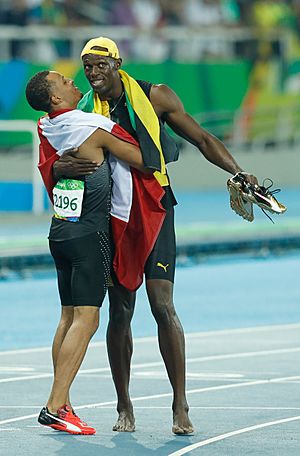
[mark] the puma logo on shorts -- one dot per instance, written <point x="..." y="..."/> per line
<point x="162" y="266"/>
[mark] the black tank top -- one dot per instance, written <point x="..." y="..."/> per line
<point x="95" y="208"/>
<point x="120" y="115"/>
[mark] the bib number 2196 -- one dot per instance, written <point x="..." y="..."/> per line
<point x="67" y="199"/>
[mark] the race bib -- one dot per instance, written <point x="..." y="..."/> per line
<point x="67" y="199"/>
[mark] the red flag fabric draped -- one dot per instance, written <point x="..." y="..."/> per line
<point x="134" y="237"/>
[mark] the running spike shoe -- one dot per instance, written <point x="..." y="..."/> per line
<point x="260" y="195"/>
<point x="65" y="421"/>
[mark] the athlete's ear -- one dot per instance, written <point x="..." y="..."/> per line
<point x="118" y="64"/>
<point x="55" y="100"/>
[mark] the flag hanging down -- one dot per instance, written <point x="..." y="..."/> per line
<point x="136" y="212"/>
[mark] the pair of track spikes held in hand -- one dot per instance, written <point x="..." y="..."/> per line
<point x="244" y="194"/>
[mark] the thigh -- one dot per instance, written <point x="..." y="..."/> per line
<point x="63" y="270"/>
<point x="161" y="262"/>
<point x="91" y="264"/>
<point x="120" y="297"/>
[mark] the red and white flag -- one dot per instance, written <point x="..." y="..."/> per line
<point x="136" y="212"/>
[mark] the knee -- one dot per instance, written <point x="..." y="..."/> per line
<point x="121" y="307"/>
<point x="87" y="319"/>
<point x="66" y="318"/>
<point x="120" y="315"/>
<point x="94" y="325"/>
<point x="162" y="307"/>
<point x="163" y="312"/>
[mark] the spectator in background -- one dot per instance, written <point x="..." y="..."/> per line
<point x="17" y="13"/>
<point x="270" y="14"/>
<point x="89" y="12"/>
<point x="122" y="13"/>
<point x="172" y="12"/>
<point x="245" y="15"/>
<point x="231" y="12"/>
<point x="267" y="16"/>
<point x="296" y="12"/>
<point x="146" y="15"/>
<point x="20" y="13"/>
<point x="201" y="14"/>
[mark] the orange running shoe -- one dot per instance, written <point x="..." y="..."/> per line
<point x="65" y="421"/>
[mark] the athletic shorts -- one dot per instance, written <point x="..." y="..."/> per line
<point x="83" y="269"/>
<point x="161" y="261"/>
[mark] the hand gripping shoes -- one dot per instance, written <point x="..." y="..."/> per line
<point x="243" y="195"/>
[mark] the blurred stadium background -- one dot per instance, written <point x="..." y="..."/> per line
<point x="234" y="63"/>
<point x="236" y="66"/>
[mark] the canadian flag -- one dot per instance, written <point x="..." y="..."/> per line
<point x="136" y="211"/>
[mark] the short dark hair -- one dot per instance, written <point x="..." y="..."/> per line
<point x="38" y="92"/>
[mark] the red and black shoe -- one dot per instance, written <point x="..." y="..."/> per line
<point x="65" y="421"/>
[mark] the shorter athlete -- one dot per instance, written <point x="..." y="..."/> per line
<point x="79" y="233"/>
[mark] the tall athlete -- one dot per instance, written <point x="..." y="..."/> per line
<point x="141" y="107"/>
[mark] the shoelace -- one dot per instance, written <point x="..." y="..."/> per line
<point x="266" y="191"/>
<point x="83" y="422"/>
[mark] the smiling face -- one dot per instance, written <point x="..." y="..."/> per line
<point x="102" y="74"/>
<point x="64" y="94"/>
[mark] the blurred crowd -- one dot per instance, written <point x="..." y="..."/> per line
<point x="146" y="15"/>
<point x="151" y="13"/>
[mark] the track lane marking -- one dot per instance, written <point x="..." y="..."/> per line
<point x="217" y="438"/>
<point x="200" y="407"/>
<point x="161" y="363"/>
<point x="162" y="395"/>
<point x="138" y="340"/>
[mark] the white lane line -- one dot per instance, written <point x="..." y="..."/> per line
<point x="244" y="354"/>
<point x="27" y="377"/>
<point x="138" y="340"/>
<point x="196" y="407"/>
<point x="191" y="375"/>
<point x="16" y="369"/>
<point x="159" y="396"/>
<point x="10" y="429"/>
<point x="19" y="418"/>
<point x="203" y="443"/>
<point x="19" y="406"/>
<point x="250" y="329"/>
<point x="160" y="363"/>
<point x="166" y="407"/>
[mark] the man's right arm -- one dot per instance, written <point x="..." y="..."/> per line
<point x="122" y="150"/>
<point x="71" y="166"/>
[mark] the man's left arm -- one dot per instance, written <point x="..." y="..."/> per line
<point x="166" y="103"/>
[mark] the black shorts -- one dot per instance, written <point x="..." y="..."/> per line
<point x="161" y="261"/>
<point x="83" y="268"/>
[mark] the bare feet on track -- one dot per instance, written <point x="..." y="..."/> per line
<point x="125" y="422"/>
<point x="182" y="424"/>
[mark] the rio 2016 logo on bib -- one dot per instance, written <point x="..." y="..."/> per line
<point x="67" y="199"/>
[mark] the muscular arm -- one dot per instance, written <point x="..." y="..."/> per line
<point x="93" y="147"/>
<point x="89" y="156"/>
<point x="166" y="102"/>
<point x="69" y="165"/>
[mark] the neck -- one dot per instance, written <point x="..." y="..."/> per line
<point x="57" y="112"/>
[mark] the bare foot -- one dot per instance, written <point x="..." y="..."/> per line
<point x="182" y="424"/>
<point x="125" y="422"/>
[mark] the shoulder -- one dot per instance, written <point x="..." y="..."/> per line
<point x="145" y="86"/>
<point x="162" y="91"/>
<point x="163" y="98"/>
